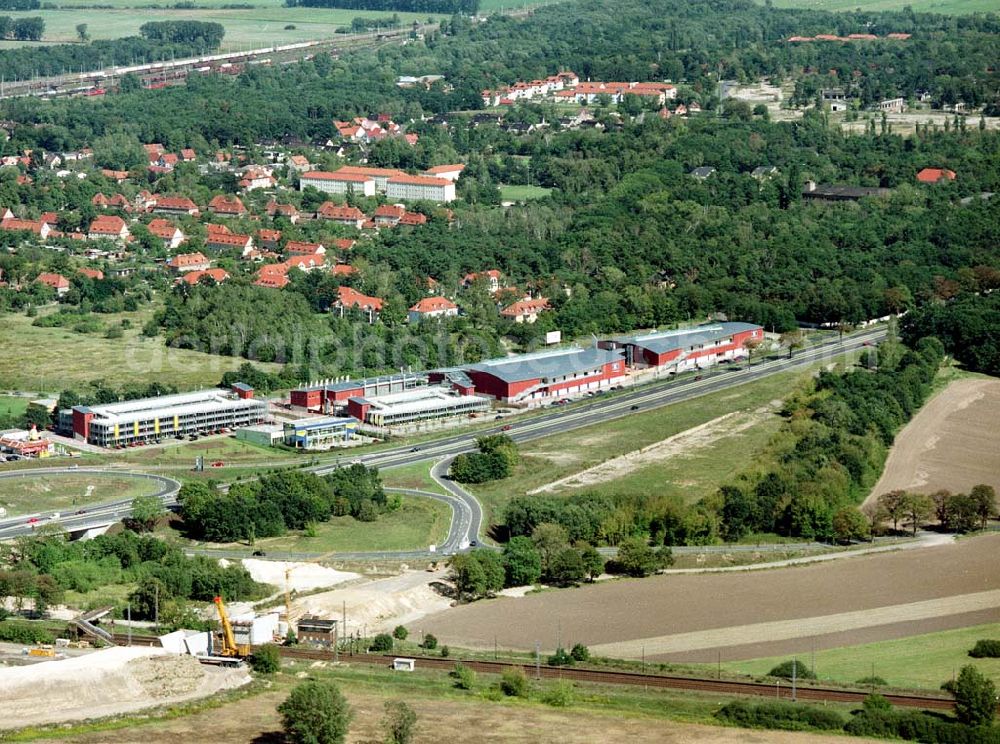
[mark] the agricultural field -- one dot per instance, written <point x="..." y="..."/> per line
<point x="700" y="618"/>
<point x="27" y="495"/>
<point x="948" y="7"/>
<point x="952" y="443"/>
<point x="923" y="661"/>
<point x="606" y="447"/>
<point x="34" y="358"/>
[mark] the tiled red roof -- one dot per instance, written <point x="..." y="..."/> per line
<point x="331" y="211"/>
<point x="413" y="218"/>
<point x="343" y="270"/>
<point x="183" y="260"/>
<point x="389" y="211"/>
<point x="526" y="307"/>
<point x="56" y="281"/>
<point x="174" y="202"/>
<point x="434" y="304"/>
<point x="225" y="204"/>
<point x="933" y="175"/>
<point x="239" y="241"/>
<point x="303" y="249"/>
<point x="108" y="224"/>
<point x="91" y="273"/>
<point x="348" y="297"/>
<point x="344" y="244"/>
<point x="338" y="176"/>
<point x="193" y="277"/>
<point x="419" y="180"/>
<point x="445" y="169"/>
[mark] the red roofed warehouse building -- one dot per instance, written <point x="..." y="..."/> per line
<point x="189" y="262"/>
<point x="432" y="307"/>
<point x="108" y="227"/>
<point x="935" y="175"/>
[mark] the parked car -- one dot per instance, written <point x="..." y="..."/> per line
<point x="506" y="427"/>
<point x="634" y="408"/>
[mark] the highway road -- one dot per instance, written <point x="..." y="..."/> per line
<point x="467" y="522"/>
<point x="85" y="517"/>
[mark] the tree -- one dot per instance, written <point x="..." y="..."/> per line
<point x="549" y="539"/>
<point x="593" y="562"/>
<point x="81" y="32"/>
<point x="315" y="713"/>
<point x="917" y="508"/>
<point x="637" y="558"/>
<point x="984" y="497"/>
<point x="893" y="504"/>
<point x="850" y="524"/>
<point x="566" y="567"/>
<point x="580" y="652"/>
<point x="522" y="562"/>
<point x="382" y="643"/>
<point x="975" y="697"/>
<point x="430" y="642"/>
<point x="266" y="659"/>
<point x="146" y="512"/>
<point x="400" y="633"/>
<point x="400" y="722"/>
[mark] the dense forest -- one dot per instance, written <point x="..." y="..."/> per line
<point x="22" y="29"/>
<point x="197" y="33"/>
<point x="469" y="7"/>
<point x="968" y="325"/>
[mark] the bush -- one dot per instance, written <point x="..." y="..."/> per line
<point x="784" y="670"/>
<point x="986" y="649"/>
<point x="266" y="659"/>
<point x="399" y="721"/>
<point x="560" y="658"/>
<point x="445" y="652"/>
<point x="513" y="683"/>
<point x="465" y="678"/>
<point x="787" y="716"/>
<point x="400" y="633"/>
<point x="19" y="631"/>
<point x="559" y="695"/>
<point x="579" y="652"/>
<point x="871" y="682"/>
<point x="430" y="642"/>
<point x="382" y="644"/>
<point x="315" y="713"/>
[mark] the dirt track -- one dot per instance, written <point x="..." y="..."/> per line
<point x="632" y="610"/>
<point x="953" y="442"/>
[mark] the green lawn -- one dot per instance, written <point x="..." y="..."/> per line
<point x="12" y="406"/>
<point x="416" y="476"/>
<point x="951" y="7"/>
<point x="555" y="457"/>
<point x="263" y="25"/>
<point x="225" y="449"/>
<point x="52" y="359"/>
<point x="27" y="495"/>
<point x="923" y="661"/>
<point x="522" y="193"/>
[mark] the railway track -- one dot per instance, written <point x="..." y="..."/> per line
<point x="781" y="690"/>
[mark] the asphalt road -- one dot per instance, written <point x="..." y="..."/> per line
<point x="84" y="518"/>
<point x="467" y="521"/>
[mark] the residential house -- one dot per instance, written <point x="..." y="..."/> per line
<point x="255" y="178"/>
<point x="341" y="214"/>
<point x="300" y="163"/>
<point x="526" y="311"/>
<point x="227" y="206"/>
<point x="166" y="231"/>
<point x="194" y="277"/>
<point x="222" y="242"/>
<point x="431" y="308"/>
<point x="343" y="270"/>
<point x="388" y="215"/>
<point x="274" y="209"/>
<point x="493" y="279"/>
<point x="412" y="219"/>
<point x="268" y="239"/>
<point x="41" y="229"/>
<point x="306" y="263"/>
<point x="189" y="262"/>
<point x="344" y="244"/>
<point x="188" y="155"/>
<point x="95" y="274"/>
<point x="118" y="176"/>
<point x="57" y="281"/>
<point x="936" y="175"/>
<point x="108" y="227"/>
<point x="350" y="299"/>
<point x="298" y="248"/>
<point x="274" y="276"/>
<point x="175" y="205"/>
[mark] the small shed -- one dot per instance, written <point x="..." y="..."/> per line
<point x="404" y="665"/>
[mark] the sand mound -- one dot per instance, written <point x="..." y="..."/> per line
<point x="106" y="683"/>
<point x="303" y="576"/>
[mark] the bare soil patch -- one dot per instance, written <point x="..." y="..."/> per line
<point x="953" y="442"/>
<point x="685" y="444"/>
<point x="627" y="610"/>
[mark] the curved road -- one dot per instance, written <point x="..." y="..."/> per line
<point x="467" y="520"/>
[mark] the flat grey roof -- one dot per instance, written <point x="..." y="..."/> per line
<point x="664" y="341"/>
<point x="546" y="364"/>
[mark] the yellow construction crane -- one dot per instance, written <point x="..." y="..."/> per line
<point x="288" y="595"/>
<point x="229" y="646"/>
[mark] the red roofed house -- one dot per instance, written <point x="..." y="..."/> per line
<point x="267" y="238"/>
<point x="114" y="175"/>
<point x="300" y="163"/>
<point x="492" y="277"/>
<point x="257" y="179"/>
<point x="432" y="307"/>
<point x="935" y="175"/>
<point x="188" y="155"/>
<point x="189" y="262"/>
<point x="274" y="276"/>
<point x="91" y="273"/>
<point x="349" y="299"/>
<point x="222" y="241"/>
<point x="342" y="214"/>
<point x="420" y="187"/>
<point x="344" y="244"/>
<point x="343" y="270"/>
<point x="306" y="263"/>
<point x="389" y="214"/>
<point x="166" y="231"/>
<point x="217" y="275"/>
<point x="108" y="227"/>
<point x="213" y="229"/>
<point x="526" y="311"/>
<point x="411" y="219"/>
<point x="175" y="205"/>
<point x="49" y="218"/>
<point x="297" y="248"/>
<point x="226" y="205"/>
<point x="57" y="281"/>
<point x="449" y="172"/>
<point x="283" y="210"/>
<point x="42" y="229"/>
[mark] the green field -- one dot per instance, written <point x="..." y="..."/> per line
<point x="12" y="406"/>
<point x="264" y="25"/>
<point x="551" y="458"/>
<point x="416" y="476"/>
<point x="950" y="7"/>
<point x="923" y="661"/>
<point x="523" y="193"/>
<point x="72" y="491"/>
<point x="226" y="450"/>
<point x="52" y="359"/>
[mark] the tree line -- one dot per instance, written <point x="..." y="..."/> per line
<point x="286" y="500"/>
<point x="20" y="4"/>
<point x="203" y="34"/>
<point x="469" y="7"/>
<point x="967" y="326"/>
<point x="22" y="29"/>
